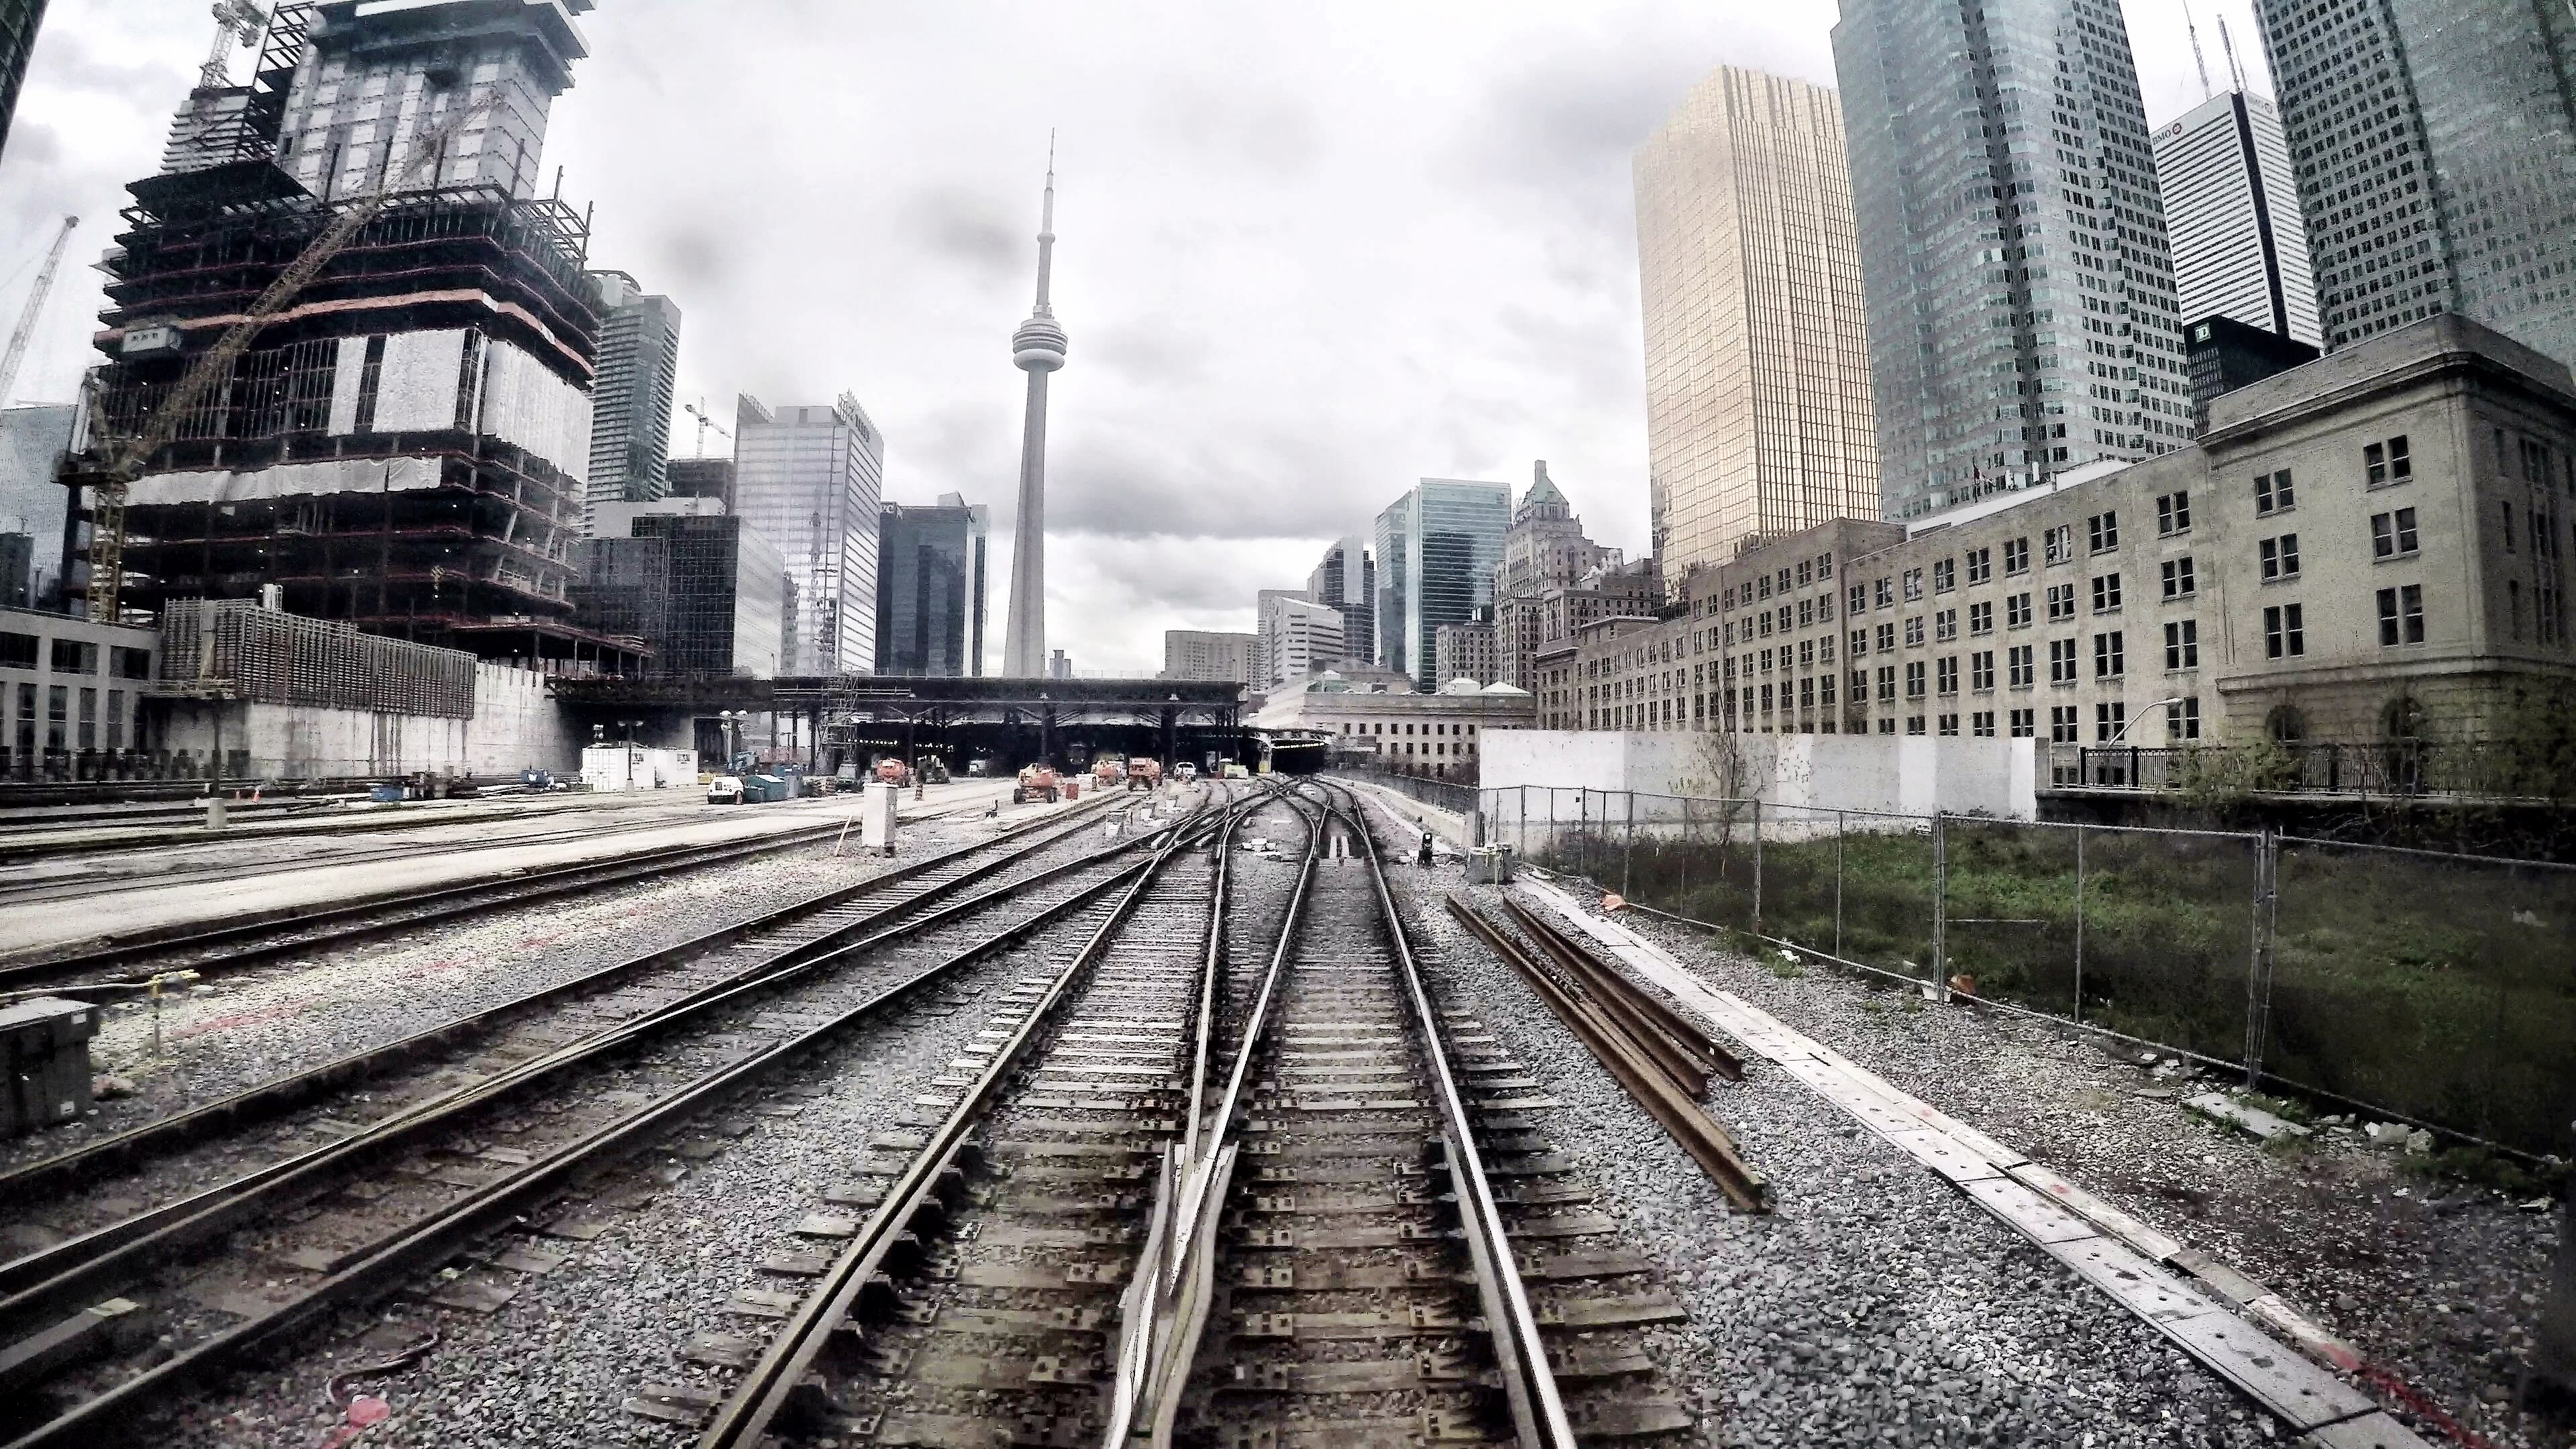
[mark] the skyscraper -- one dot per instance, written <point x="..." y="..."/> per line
<point x="930" y="588"/>
<point x="630" y="399"/>
<point x="2021" y="302"/>
<point x="2434" y="141"/>
<point x="811" y="479"/>
<point x="1436" y="549"/>
<point x="1298" y="637"/>
<point x="1544" y="549"/>
<point x="1346" y="582"/>
<point x="2240" y="247"/>
<point x="1758" y="416"/>
<point x="18" y="22"/>
<point x="1038" y="350"/>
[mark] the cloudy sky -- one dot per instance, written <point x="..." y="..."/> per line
<point x="1308" y="252"/>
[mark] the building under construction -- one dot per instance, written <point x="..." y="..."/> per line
<point x="405" y="443"/>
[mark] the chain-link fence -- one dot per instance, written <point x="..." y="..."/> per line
<point x="2438" y="989"/>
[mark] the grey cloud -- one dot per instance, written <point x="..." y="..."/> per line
<point x="973" y="232"/>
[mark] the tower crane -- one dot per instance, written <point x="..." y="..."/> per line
<point x="128" y="456"/>
<point x="698" y="410"/>
<point x="237" y="22"/>
<point x="26" y="329"/>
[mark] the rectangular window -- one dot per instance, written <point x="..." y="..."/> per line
<point x="1914" y="632"/>
<point x="2017" y="659"/>
<point x="1945" y="625"/>
<point x="2061" y="602"/>
<point x="1883" y="592"/>
<point x="1824" y="649"/>
<point x="1806" y="653"/>
<point x="1949" y="725"/>
<point x="1981" y="618"/>
<point x="1766" y="699"/>
<point x="1981" y="669"/>
<point x="2388" y="462"/>
<point x="1860" y="686"/>
<point x="71" y="656"/>
<point x="1858" y="644"/>
<point x="1887" y="684"/>
<point x="2103" y="530"/>
<point x="2284" y="632"/>
<point x="1914" y="679"/>
<point x="2273" y="493"/>
<point x="2025" y="723"/>
<point x="116" y="719"/>
<point x="26" y="719"/>
<point x="2017" y="610"/>
<point x="2061" y="661"/>
<point x="2401" y="615"/>
<point x="2062" y="724"/>
<point x="2280" y="557"/>
<point x="2110" y="660"/>
<point x="1824" y="608"/>
<point x="1981" y="565"/>
<point x="1806" y="694"/>
<point x="1946" y="675"/>
<point x="1824" y="566"/>
<point x="2182" y="721"/>
<point x="1914" y="724"/>
<point x="2110" y="721"/>
<point x="130" y="663"/>
<point x="1886" y="637"/>
<point x="2016" y="556"/>
<point x="1806" y="613"/>
<point x="2061" y="543"/>
<point x="1858" y="601"/>
<point x="1945" y="575"/>
<point x="1913" y="585"/>
<point x="2179" y="581"/>
<point x="17" y="651"/>
<point x="2182" y="644"/>
<point x="2392" y="535"/>
<point x="58" y="716"/>
<point x="1806" y="573"/>
<point x="1982" y="724"/>
<point x="2173" y="514"/>
<point x="2106" y="593"/>
<point x="1825" y="690"/>
<point x="1887" y="726"/>
<point x="89" y="719"/>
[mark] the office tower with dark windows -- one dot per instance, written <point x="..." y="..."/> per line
<point x="705" y="592"/>
<point x="2434" y="142"/>
<point x="930" y="588"/>
<point x="2022" y="314"/>
<point x="1758" y="415"/>
<point x="630" y="399"/>
<point x="2227" y="354"/>
<point x="1346" y="582"/>
<point x="18" y="22"/>
<point x="701" y="478"/>
<point x="810" y="480"/>
<point x="2240" y="244"/>
<point x="1436" y="548"/>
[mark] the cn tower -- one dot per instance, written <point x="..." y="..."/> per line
<point x="1038" y="349"/>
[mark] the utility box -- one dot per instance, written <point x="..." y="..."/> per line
<point x="44" y="1047"/>
<point x="1490" y="865"/>
<point x="876" y="817"/>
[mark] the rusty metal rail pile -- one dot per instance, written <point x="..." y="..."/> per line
<point x="242" y="1268"/>
<point x="1661" y="1059"/>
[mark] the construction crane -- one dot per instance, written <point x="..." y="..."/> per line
<point x="237" y="22"/>
<point x="698" y="410"/>
<point x="26" y="330"/>
<point x="126" y="462"/>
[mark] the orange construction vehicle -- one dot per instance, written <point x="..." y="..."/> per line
<point x="1108" y="772"/>
<point x="1144" y="774"/>
<point x="1037" y="782"/>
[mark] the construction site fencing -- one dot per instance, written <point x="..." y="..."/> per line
<point x="2417" y="987"/>
<point x="1446" y="795"/>
<point x="235" y="649"/>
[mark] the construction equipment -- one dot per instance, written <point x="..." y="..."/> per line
<point x="698" y="410"/>
<point x="26" y="330"/>
<point x="1037" y="782"/>
<point x="216" y="363"/>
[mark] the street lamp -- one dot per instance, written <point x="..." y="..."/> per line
<point x="2159" y="704"/>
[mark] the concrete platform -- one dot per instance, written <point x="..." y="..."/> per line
<point x="201" y="891"/>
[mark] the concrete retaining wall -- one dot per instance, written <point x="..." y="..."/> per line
<point x="515" y="726"/>
<point x="1903" y="774"/>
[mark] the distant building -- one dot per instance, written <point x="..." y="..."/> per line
<point x="1059" y="665"/>
<point x="18" y="22"/>
<point x="2240" y="245"/>
<point x="702" y="478"/>
<point x="68" y="687"/>
<point x="1467" y="651"/>
<point x="811" y="480"/>
<point x="2227" y="354"/>
<point x="2022" y="316"/>
<point x="2435" y="140"/>
<point x="930" y="588"/>
<point x="1203" y="654"/>
<point x="630" y="399"/>
<point x="1346" y="582"/>
<point x="1422" y="732"/>
<point x="1436" y="550"/>
<point x="1758" y="410"/>
<point x="1544" y="549"/>
<point x="704" y="592"/>
<point x="33" y="442"/>
<point x="1297" y="638"/>
<point x="17" y="571"/>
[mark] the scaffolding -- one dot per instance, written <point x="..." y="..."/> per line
<point x="232" y="649"/>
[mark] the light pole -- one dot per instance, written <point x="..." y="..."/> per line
<point x="2159" y="704"/>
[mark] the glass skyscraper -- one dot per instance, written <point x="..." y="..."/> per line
<point x="930" y="588"/>
<point x="1346" y="581"/>
<point x="811" y="480"/>
<point x="1436" y="548"/>
<point x="2434" y="141"/>
<point x="2022" y="313"/>
<point x="2240" y="247"/>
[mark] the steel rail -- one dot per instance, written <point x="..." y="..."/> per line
<point x="1667" y="1099"/>
<point x="768" y="1389"/>
<point x="429" y="1241"/>
<point x="284" y="1094"/>
<point x="1538" y="1412"/>
<point x="449" y="901"/>
<point x="1665" y="1033"/>
<point x="94" y="1260"/>
<point x="1164" y="1311"/>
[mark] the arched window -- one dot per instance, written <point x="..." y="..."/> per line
<point x="2285" y="725"/>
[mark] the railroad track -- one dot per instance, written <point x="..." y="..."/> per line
<point x="141" y="1311"/>
<point x="1263" y="1194"/>
<point x="130" y="961"/>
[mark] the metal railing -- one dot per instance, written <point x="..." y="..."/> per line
<point x="2421" y="987"/>
<point x="1450" y="795"/>
<point x="2391" y="769"/>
